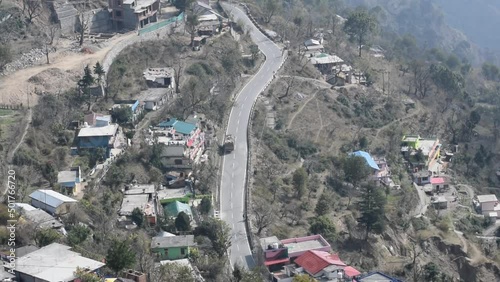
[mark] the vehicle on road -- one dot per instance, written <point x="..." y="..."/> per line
<point x="228" y="145"/>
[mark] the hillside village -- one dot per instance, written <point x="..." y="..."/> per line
<point x="119" y="178"/>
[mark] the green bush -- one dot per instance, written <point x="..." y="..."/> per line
<point x="419" y="223"/>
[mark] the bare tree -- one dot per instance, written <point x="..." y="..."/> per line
<point x="50" y="31"/>
<point x="289" y="85"/>
<point x="83" y="22"/>
<point x="32" y="9"/>
<point x="179" y="69"/>
<point x="264" y="214"/>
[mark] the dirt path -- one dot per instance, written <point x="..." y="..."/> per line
<point x="412" y="115"/>
<point x="21" y="141"/>
<point x="14" y="87"/>
<point x="300" y="110"/>
<point x="320" y="121"/>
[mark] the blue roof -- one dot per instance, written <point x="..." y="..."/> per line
<point x="377" y="276"/>
<point x="184" y="127"/>
<point x="369" y="160"/>
<point x="179" y="126"/>
<point x="168" y="123"/>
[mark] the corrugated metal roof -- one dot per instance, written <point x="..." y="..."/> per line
<point x="174" y="208"/>
<point x="368" y="158"/>
<point x="51" y="198"/>
<point x="108" y="130"/>
<point x="315" y="261"/>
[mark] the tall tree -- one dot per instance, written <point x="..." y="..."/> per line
<point x="183" y="222"/>
<point x="303" y="278"/>
<point x="32" y="9"/>
<point x="51" y="33"/>
<point x="137" y="216"/>
<point x="254" y="50"/>
<point x="359" y="25"/>
<point x="323" y="205"/>
<point x="355" y="171"/>
<point x="85" y="84"/>
<point x="264" y="213"/>
<point x="299" y="181"/>
<point x="99" y="71"/>
<point x="271" y="7"/>
<point x="120" y="256"/>
<point x="219" y="234"/>
<point x="372" y="208"/>
<point x="192" y="26"/>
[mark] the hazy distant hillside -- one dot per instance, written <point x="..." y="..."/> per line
<point x="478" y="19"/>
<point x="425" y="20"/>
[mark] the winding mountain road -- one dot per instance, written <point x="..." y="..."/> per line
<point x="234" y="166"/>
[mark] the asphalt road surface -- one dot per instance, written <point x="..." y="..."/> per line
<point x="234" y="166"/>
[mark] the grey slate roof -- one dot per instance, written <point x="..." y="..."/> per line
<point x="175" y="241"/>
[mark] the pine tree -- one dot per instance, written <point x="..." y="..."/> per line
<point x="99" y="71"/>
<point x="323" y="205"/>
<point x="182" y="222"/>
<point x="372" y="207"/>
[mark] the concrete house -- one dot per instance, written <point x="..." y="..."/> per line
<point x="489" y="205"/>
<point x="133" y="14"/>
<point x="173" y="157"/>
<point x="190" y="133"/>
<point x="97" y="137"/>
<point x="51" y="201"/>
<point x="421" y="153"/>
<point x="173" y="247"/>
<point x="55" y="262"/>
<point x="41" y="219"/>
<point x="154" y="98"/>
<point x="70" y="180"/>
<point x="278" y="253"/>
<point x="325" y="62"/>
<point x="160" y="77"/>
<point x="143" y="200"/>
<point x="97" y="120"/>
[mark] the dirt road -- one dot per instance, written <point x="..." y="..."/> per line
<point x="15" y="87"/>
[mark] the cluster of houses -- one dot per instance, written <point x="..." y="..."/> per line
<point x="336" y="71"/>
<point x="311" y="255"/>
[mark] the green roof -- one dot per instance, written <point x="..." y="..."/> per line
<point x="174" y="208"/>
<point x="322" y="55"/>
<point x="179" y="126"/>
<point x="184" y="127"/>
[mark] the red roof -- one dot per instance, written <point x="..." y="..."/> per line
<point x="351" y="271"/>
<point x="315" y="261"/>
<point x="437" y="180"/>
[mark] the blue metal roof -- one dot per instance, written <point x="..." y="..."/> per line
<point x="168" y="123"/>
<point x="184" y="127"/>
<point x="369" y="160"/>
<point x="179" y="126"/>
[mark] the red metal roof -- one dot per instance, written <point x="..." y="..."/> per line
<point x="351" y="271"/>
<point x="315" y="261"/>
<point x="437" y="180"/>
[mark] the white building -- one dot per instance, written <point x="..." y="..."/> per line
<point x="489" y="205"/>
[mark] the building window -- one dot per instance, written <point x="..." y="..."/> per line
<point x="178" y="161"/>
<point x="118" y="13"/>
<point x="183" y="251"/>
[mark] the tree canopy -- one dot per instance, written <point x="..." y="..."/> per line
<point x="372" y="208"/>
<point x="183" y="222"/>
<point x="299" y="181"/>
<point x="120" y="256"/>
<point x="359" y="25"/>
